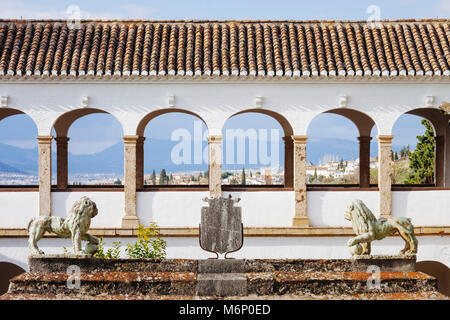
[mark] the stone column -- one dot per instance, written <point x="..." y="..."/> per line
<point x="364" y="161"/>
<point x="215" y="165"/>
<point x="130" y="219"/>
<point x="288" y="162"/>
<point x="439" y="161"/>
<point x="61" y="162"/>
<point x="45" y="175"/>
<point x="384" y="174"/>
<point x="299" y="154"/>
<point x="140" y="163"/>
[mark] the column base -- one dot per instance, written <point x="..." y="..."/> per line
<point x="130" y="222"/>
<point x="300" y="222"/>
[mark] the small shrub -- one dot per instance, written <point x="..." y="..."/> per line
<point x="148" y="245"/>
<point x="112" y="253"/>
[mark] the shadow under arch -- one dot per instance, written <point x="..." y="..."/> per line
<point x="8" y="270"/>
<point x="438" y="270"/>
<point x="156" y="113"/>
<point x="434" y="116"/>
<point x="6" y="112"/>
<point x="364" y="124"/>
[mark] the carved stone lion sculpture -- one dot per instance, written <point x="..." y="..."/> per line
<point x="75" y="226"/>
<point x="368" y="228"/>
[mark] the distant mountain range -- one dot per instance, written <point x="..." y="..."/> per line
<point x="158" y="156"/>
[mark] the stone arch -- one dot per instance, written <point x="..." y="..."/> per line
<point x="285" y="124"/>
<point x="62" y="126"/>
<point x="288" y="140"/>
<point x="64" y="121"/>
<point x="11" y="112"/>
<point x="8" y="270"/>
<point x="147" y="118"/>
<point x="439" y="121"/>
<point x="364" y="124"/>
<point x="140" y="131"/>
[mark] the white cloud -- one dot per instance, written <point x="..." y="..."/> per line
<point x="22" y="10"/>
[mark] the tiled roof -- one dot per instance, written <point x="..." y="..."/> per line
<point x="224" y="48"/>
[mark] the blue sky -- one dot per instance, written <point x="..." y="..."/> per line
<point x="229" y="9"/>
<point x="20" y="131"/>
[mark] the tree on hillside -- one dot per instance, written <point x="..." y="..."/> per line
<point x="421" y="160"/>
<point x="153" y="177"/>
<point x="243" y="177"/>
<point x="163" y="178"/>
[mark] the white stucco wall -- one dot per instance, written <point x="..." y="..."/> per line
<point x="435" y="248"/>
<point x="425" y="208"/>
<point x="17" y="208"/>
<point x="110" y="206"/>
<point x="182" y="208"/>
<point x="259" y="208"/>
<point x="215" y="101"/>
<point x="326" y="208"/>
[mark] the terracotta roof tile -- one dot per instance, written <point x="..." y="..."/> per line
<point x="224" y="48"/>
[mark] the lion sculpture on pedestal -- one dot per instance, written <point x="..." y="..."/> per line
<point x="368" y="228"/>
<point x="75" y="226"/>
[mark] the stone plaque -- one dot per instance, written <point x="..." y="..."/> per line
<point x="221" y="230"/>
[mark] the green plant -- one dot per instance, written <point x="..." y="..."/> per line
<point x="148" y="245"/>
<point x="112" y="253"/>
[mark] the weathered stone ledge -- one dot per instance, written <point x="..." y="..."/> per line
<point x="60" y="263"/>
<point x="185" y="283"/>
<point x="248" y="232"/>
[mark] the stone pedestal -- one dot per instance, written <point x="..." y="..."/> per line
<point x="272" y="278"/>
<point x="301" y="217"/>
<point x="384" y="174"/>
<point x="215" y="165"/>
<point x="62" y="161"/>
<point x="45" y="175"/>
<point x="130" y="219"/>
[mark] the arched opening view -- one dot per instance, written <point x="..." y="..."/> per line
<point x="18" y="149"/>
<point x="254" y="151"/>
<point x="175" y="150"/>
<point x="341" y="149"/>
<point x="414" y="150"/>
<point x="89" y="149"/>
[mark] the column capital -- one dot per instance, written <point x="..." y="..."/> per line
<point x="364" y="139"/>
<point x="215" y="138"/>
<point x="44" y="139"/>
<point x="383" y="138"/>
<point x="62" y="139"/>
<point x="130" y="139"/>
<point x="300" y="139"/>
<point x="287" y="139"/>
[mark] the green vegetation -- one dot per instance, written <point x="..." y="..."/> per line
<point x="148" y="245"/>
<point x="421" y="160"/>
<point x="112" y="253"/>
